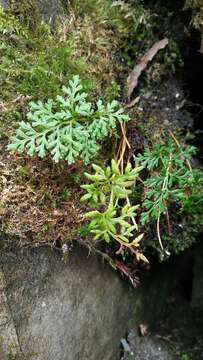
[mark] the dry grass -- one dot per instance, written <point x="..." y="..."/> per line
<point x="39" y="203"/>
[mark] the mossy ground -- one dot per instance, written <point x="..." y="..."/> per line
<point x="100" y="41"/>
<point x="40" y="200"/>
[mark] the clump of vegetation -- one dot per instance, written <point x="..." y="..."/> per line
<point x="99" y="40"/>
<point x="68" y="127"/>
<point x="171" y="180"/>
<point x="114" y="219"/>
<point x="197" y="13"/>
<point x="196" y="7"/>
<point x="23" y="9"/>
<point x="90" y="41"/>
<point x="170" y="187"/>
<point x="33" y="64"/>
<point x="40" y="201"/>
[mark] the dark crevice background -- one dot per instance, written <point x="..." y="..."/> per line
<point x="179" y="317"/>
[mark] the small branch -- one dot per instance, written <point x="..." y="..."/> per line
<point x="123" y="128"/>
<point x="93" y="249"/>
<point x="132" y="103"/>
<point x="132" y="80"/>
<point x="168" y="223"/>
<point x="123" y="146"/>
<point x="158" y="232"/>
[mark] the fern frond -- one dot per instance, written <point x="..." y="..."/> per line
<point x="67" y="127"/>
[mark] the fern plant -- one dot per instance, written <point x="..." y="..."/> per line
<point x="171" y="179"/>
<point x="110" y="220"/>
<point x="108" y="184"/>
<point x="68" y="127"/>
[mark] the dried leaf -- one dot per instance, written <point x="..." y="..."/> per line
<point x="143" y="328"/>
<point x="140" y="256"/>
<point x="137" y="240"/>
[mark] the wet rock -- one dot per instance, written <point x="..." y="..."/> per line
<point x="75" y="311"/>
<point x="146" y="348"/>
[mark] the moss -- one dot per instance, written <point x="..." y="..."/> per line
<point x="95" y="40"/>
<point x="27" y="11"/>
<point x="34" y="65"/>
<point x="100" y="41"/>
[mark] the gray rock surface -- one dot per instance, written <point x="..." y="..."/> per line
<point x="73" y="311"/>
<point x="8" y="336"/>
<point x="49" y="9"/>
<point x="146" y="348"/>
<point x="4" y="3"/>
<point x="197" y="291"/>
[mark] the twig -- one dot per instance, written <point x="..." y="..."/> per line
<point x="97" y="251"/>
<point x="123" y="147"/>
<point x="158" y="231"/>
<point x="168" y="222"/>
<point x="132" y="103"/>
<point x="132" y="80"/>
<point x="123" y="128"/>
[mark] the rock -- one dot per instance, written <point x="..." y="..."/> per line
<point x="49" y="9"/>
<point x="4" y="3"/>
<point x="147" y="348"/>
<point x="8" y="336"/>
<point x="197" y="290"/>
<point x="77" y="310"/>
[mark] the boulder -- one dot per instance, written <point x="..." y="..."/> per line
<point x="77" y="310"/>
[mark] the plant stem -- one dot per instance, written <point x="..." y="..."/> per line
<point x="158" y="231"/>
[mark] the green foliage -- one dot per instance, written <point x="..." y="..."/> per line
<point x="38" y="63"/>
<point x="170" y="178"/>
<point x="35" y="66"/>
<point x="67" y="127"/>
<point x="109" y="185"/>
<point x="112" y="220"/>
<point x="193" y="204"/>
<point x="171" y="188"/>
<point x="27" y="11"/>
<point x="104" y="224"/>
<point x="50" y="70"/>
<point x="197" y="13"/>
<point x="9" y="24"/>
